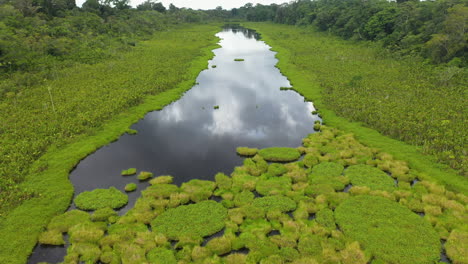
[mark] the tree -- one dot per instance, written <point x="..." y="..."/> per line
<point x="151" y="5"/>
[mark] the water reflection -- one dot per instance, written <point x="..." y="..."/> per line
<point x="190" y="139"/>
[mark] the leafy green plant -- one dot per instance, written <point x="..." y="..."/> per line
<point x="279" y="154"/>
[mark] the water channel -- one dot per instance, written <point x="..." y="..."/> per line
<point x="190" y="139"/>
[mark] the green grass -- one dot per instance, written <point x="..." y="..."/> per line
<point x="130" y="187"/>
<point x="60" y="151"/>
<point x="245" y="151"/>
<point x="365" y="175"/>
<point x="129" y="172"/>
<point x="239" y="60"/>
<point x="195" y="220"/>
<point x="316" y="63"/>
<point x="101" y="198"/>
<point x="145" y="175"/>
<point x="391" y="232"/>
<point x="279" y="154"/>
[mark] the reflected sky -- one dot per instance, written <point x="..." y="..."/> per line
<point x="189" y="139"/>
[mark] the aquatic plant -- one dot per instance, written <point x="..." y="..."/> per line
<point x="245" y="151"/>
<point x="365" y="175"/>
<point x="277" y="202"/>
<point x="52" y="237"/>
<point x="457" y="246"/>
<point x="163" y="179"/>
<point x="101" y="198"/>
<point x="216" y="107"/>
<point x="273" y="186"/>
<point x="279" y="154"/>
<point x="391" y="232"/>
<point x="130" y="187"/>
<point x="238" y="59"/>
<point x="145" y="175"/>
<point x="129" y="172"/>
<point x="65" y="221"/>
<point x="103" y="214"/>
<point x="198" y="190"/>
<point x="201" y="219"/>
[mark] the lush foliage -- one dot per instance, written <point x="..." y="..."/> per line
<point x="120" y="93"/>
<point x="432" y="29"/>
<point x="83" y="97"/>
<point x="401" y="98"/>
<point x="101" y="198"/>
<point x="388" y="230"/>
<point x="284" y="225"/>
<point x="279" y="154"/>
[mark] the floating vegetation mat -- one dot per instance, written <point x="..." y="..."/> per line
<point x="342" y="203"/>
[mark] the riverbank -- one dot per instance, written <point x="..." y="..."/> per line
<point x="114" y="93"/>
<point x="299" y="48"/>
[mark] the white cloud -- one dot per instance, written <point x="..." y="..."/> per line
<point x="204" y="4"/>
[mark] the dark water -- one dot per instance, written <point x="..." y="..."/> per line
<point x="189" y="139"/>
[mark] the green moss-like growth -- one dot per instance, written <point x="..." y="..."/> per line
<point x="161" y="256"/>
<point x="219" y="245"/>
<point x="457" y="246"/>
<point x="86" y="233"/>
<point x="52" y="237"/>
<point x="63" y="222"/>
<point x="130" y="187"/>
<point x="281" y="203"/>
<point x="246" y="151"/>
<point x="100" y="198"/>
<point x="128" y="172"/>
<point x="238" y="59"/>
<point x="277" y="169"/>
<point x="273" y="186"/>
<point x="327" y="173"/>
<point x="201" y="219"/>
<point x="103" y="214"/>
<point x="280" y="154"/>
<point x="163" y="179"/>
<point x="391" y="232"/>
<point x="325" y="218"/>
<point x="198" y="190"/>
<point x="216" y="107"/>
<point x="213" y="66"/>
<point x="145" y="175"/>
<point x="365" y="175"/>
<point x="160" y="191"/>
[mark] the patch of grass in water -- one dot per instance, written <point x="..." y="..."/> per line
<point x="246" y="151"/>
<point x="239" y="60"/>
<point x="145" y="175"/>
<point x="201" y="219"/>
<point x="130" y="187"/>
<point x="216" y="107"/>
<point x="365" y="175"/>
<point x="280" y="154"/>
<point x="391" y="232"/>
<point x="101" y="198"/>
<point x="129" y="172"/>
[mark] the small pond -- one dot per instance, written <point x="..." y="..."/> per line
<point x="190" y="139"/>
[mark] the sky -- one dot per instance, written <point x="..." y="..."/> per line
<point x="204" y="4"/>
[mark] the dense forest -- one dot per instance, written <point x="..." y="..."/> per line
<point x="435" y="30"/>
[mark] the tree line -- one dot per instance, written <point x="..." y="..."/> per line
<point x="39" y="37"/>
<point x="435" y="30"/>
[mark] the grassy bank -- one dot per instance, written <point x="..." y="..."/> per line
<point x="56" y="125"/>
<point x="349" y="81"/>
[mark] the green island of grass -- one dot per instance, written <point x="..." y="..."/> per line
<point x="279" y="154"/>
<point x="390" y="231"/>
<point x="101" y="198"/>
